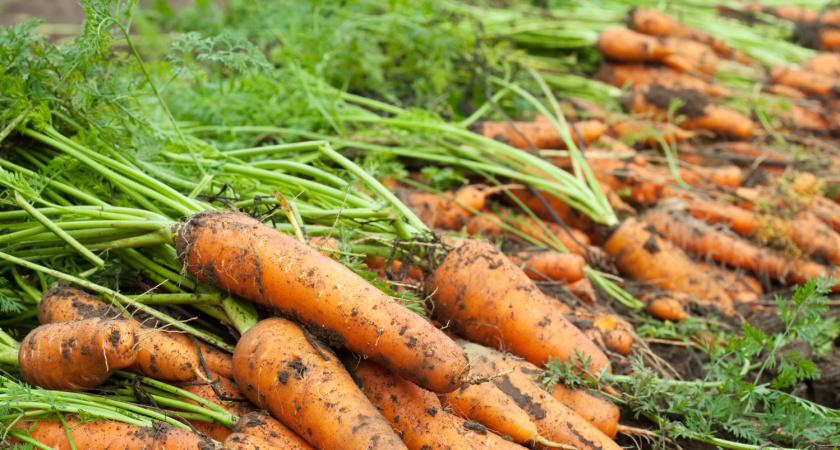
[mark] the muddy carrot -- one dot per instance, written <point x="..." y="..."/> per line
<point x="514" y="314"/>
<point x="551" y="265"/>
<point x="540" y="134"/>
<point x="259" y="423"/>
<point x="666" y="305"/>
<point x="239" y="254"/>
<point x="77" y="355"/>
<point x="481" y="437"/>
<point x="284" y="370"/>
<point x="642" y="253"/>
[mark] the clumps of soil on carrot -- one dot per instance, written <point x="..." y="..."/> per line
<point x="692" y="101"/>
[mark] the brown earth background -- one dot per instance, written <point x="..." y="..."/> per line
<point x="51" y="11"/>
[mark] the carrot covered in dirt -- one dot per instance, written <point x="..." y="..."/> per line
<point x="639" y="251"/>
<point x="239" y="254"/>
<point x="413" y="411"/>
<point x="106" y="434"/>
<point x="542" y="266"/>
<point x="519" y="375"/>
<point x="77" y="355"/>
<point x="708" y="242"/>
<point x="487" y="299"/>
<point x="283" y="369"/>
<point x="260" y="424"/>
<point x="540" y="134"/>
<point x="479" y="436"/>
<point x="636" y="74"/>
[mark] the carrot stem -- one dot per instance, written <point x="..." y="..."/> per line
<point x="25" y="438"/>
<point x="213" y="298"/>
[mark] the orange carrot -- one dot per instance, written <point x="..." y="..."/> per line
<point x="540" y="134"/>
<point x="700" y="56"/>
<point x="490" y="301"/>
<point x="582" y="289"/>
<point x="648" y="133"/>
<point x="742" y="288"/>
<point x="708" y="242"/>
<point x="628" y="74"/>
<point x="812" y="84"/>
<point x="486" y="225"/>
<point x="570" y="216"/>
<point x="487" y="362"/>
<point x="449" y="210"/>
<point x="242" y="441"/>
<point x="542" y="266"/>
<point x="259" y="423"/>
<point x="241" y="255"/>
<point x="479" y="436"/>
<point x="302" y="384"/>
<point x="77" y="355"/>
<point x="786" y="91"/>
<point x="106" y="434"/>
<point x="640" y="252"/>
<point x="574" y="240"/>
<point x="697" y="112"/>
<point x="621" y="44"/>
<point x="413" y="411"/>
<point x="665" y="305"/>
<point x="788" y="12"/>
<point x="829" y="38"/>
<point x="827" y="64"/>
<point x="726" y="177"/>
<point x="65" y="303"/>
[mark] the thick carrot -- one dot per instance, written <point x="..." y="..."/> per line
<point x="242" y="441"/>
<point x="708" y="242"/>
<point x="488" y="300"/>
<point x="698" y="176"/>
<point x="697" y="112"/>
<point x="283" y="369"/>
<point x="77" y="355"/>
<point x="622" y="44"/>
<point x="105" y="434"/>
<point x="260" y="424"/>
<point x="161" y="355"/>
<point x="826" y="63"/>
<point x="481" y="437"/>
<point x="540" y="134"/>
<point x="413" y="411"/>
<point x="542" y="266"/>
<point x="239" y="254"/>
<point x="224" y="393"/>
<point x="812" y="84"/>
<point x="487" y="362"/>
<point x="636" y="74"/>
<point x="640" y="252"/>
<point x="667" y="305"/>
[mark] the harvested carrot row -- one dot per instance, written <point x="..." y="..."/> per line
<point x="725" y="248"/>
<point x="413" y="411"/>
<point x="540" y="134"/>
<point x="260" y="424"/>
<point x="487" y="362"/>
<point x="629" y="74"/>
<point x="302" y="384"/>
<point x="642" y="253"/>
<point x="104" y="434"/>
<point x="237" y="253"/>
<point x="77" y="355"/>
<point x="551" y="265"/>
<point x="699" y="114"/>
<point x="514" y="314"/>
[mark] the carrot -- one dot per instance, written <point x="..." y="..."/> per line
<point x="700" y="56"/>
<point x="282" y="369"/>
<point x="551" y="265"/>
<point x="486" y="362"/>
<point x="726" y="176"/>
<point x="481" y="437"/>
<point x="413" y="411"/>
<point x="574" y="240"/>
<point x="642" y="253"/>
<point x="260" y="424"/>
<point x="829" y="38"/>
<point x="648" y="133"/>
<point x="809" y="118"/>
<point x="742" y="288"/>
<point x="725" y="248"/>
<point x="786" y="91"/>
<point x="636" y="74"/>
<point x="826" y="64"/>
<point x="698" y="113"/>
<point x="106" y="434"/>
<point x="224" y="393"/>
<point x="488" y="300"/>
<point x="665" y="305"/>
<point x="788" y="12"/>
<point x="583" y="290"/>
<point x="77" y="355"/>
<point x="625" y="45"/>
<point x="570" y="216"/>
<point x="489" y="406"/>
<point x="441" y="211"/>
<point x="242" y="441"/>
<point x="160" y="354"/>
<point x="486" y="225"/>
<point x="241" y="255"/>
<point x="641" y="184"/>
<point x="540" y="134"/>
<point x="811" y="84"/>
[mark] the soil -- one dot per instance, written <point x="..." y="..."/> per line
<point x="54" y="11"/>
<point x="693" y="101"/>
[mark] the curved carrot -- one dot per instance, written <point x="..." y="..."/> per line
<point x="413" y="411"/>
<point x="284" y="370"/>
<point x="241" y="255"/>
<point x="551" y="265"/>
<point x="640" y="252"/>
<point x="648" y="133"/>
<point x="260" y="424"/>
<point x="77" y="355"/>
<point x="490" y="301"/>
<point x="105" y="434"/>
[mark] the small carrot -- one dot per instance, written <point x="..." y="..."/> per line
<point x="284" y="370"/>
<point x="260" y="424"/>
<point x="77" y="355"/>
<point x="812" y="84"/>
<point x="542" y="266"/>
<point x="826" y="63"/>
<point x="642" y="253"/>
<point x="239" y="254"/>
<point x="666" y="305"/>
<point x="488" y="300"/>
<point x="636" y="74"/>
<point x="540" y="134"/>
<point x="106" y="434"/>
<point x="413" y="411"/>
